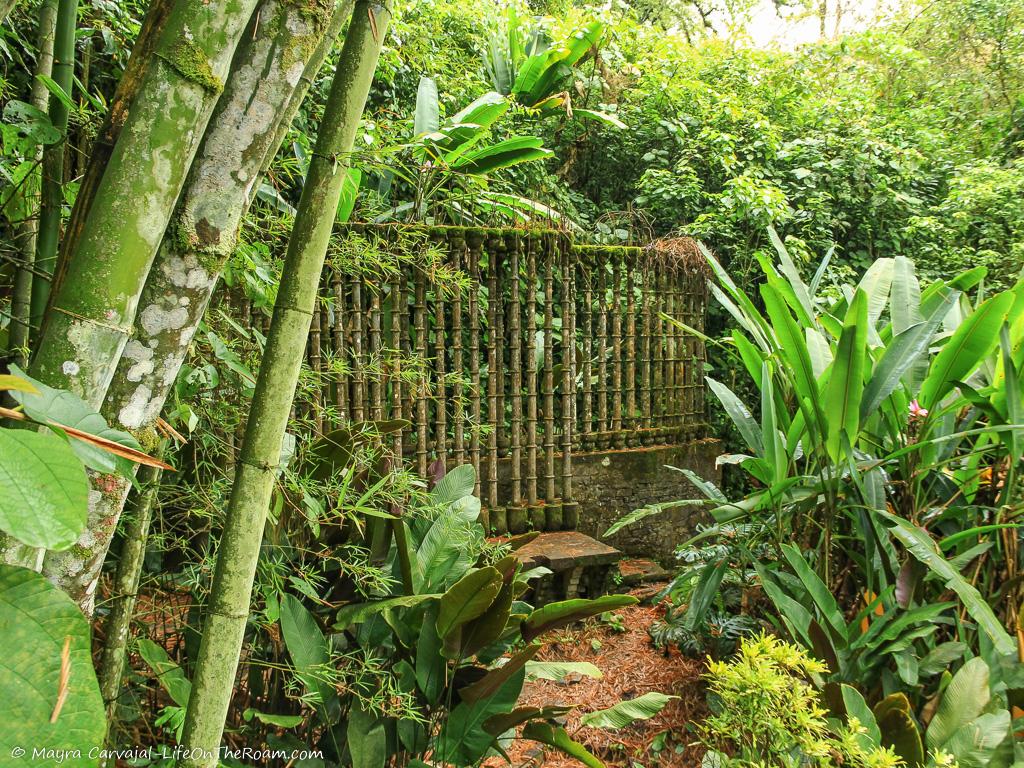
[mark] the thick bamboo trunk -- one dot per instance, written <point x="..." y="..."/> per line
<point x="52" y="198"/>
<point x="271" y="73"/>
<point x="126" y="587"/>
<point x="91" y="313"/>
<point x="228" y="609"/>
<point x="21" y="296"/>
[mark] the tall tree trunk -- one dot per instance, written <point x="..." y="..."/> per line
<point x="6" y="6"/>
<point x="126" y="587"/>
<point x="52" y="201"/>
<point x="21" y="297"/>
<point x="102" y="147"/>
<point x="91" y="314"/>
<point x="228" y="608"/>
<point x="269" y="77"/>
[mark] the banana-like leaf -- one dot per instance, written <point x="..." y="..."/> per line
<point x="427" y="116"/>
<point x="367" y="739"/>
<point x="875" y="284"/>
<point x="739" y="414"/>
<point x="307" y="646"/>
<point x="898" y="729"/>
<point x="822" y="596"/>
<point x="905" y="306"/>
<point x="704" y="593"/>
<point x="504" y="154"/>
<point x="920" y="545"/>
<point x="559" y="670"/>
<point x="792" y="273"/>
<point x="555" y="615"/>
<point x="845" y="385"/>
<point x="467" y="598"/>
<point x="963" y="700"/>
<point x="357" y="613"/>
<point x="504" y="722"/>
<point x="902" y="353"/>
<point x="455" y="485"/>
<point x="559" y="739"/>
<point x="972" y="342"/>
<point x="496" y="678"/>
<point x="627" y="712"/>
<point x="601" y="117"/>
<point x="856" y="707"/>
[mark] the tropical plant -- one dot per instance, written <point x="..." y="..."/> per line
<point x="766" y="712"/>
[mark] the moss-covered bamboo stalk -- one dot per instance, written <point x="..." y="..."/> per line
<point x="93" y="308"/>
<point x="228" y="609"/>
<point x="52" y="183"/>
<point x="262" y="91"/>
<point x="126" y="587"/>
<point x="21" y="296"/>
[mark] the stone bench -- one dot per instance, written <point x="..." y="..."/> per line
<point x="580" y="565"/>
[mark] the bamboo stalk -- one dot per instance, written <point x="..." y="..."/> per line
<point x="549" y="371"/>
<point x="630" y="421"/>
<point x="474" y="242"/>
<point x="492" y="376"/>
<point x="398" y="310"/>
<point x="584" y="275"/>
<point x="375" y="353"/>
<point x="459" y="254"/>
<point x="531" y="372"/>
<point x="441" y="393"/>
<point x="228" y="608"/>
<point x="423" y="388"/>
<point x="616" y="309"/>
<point x="603" y="423"/>
<point x="516" y="374"/>
<point x="646" y="355"/>
<point x="568" y="356"/>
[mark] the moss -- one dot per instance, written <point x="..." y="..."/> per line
<point x="190" y="61"/>
<point x="148" y="438"/>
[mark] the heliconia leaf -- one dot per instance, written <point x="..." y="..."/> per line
<point x="170" y="676"/>
<point x="905" y="304"/>
<point x="875" y="284"/>
<point x="976" y="337"/>
<point x="737" y="411"/>
<point x="555" y="615"/>
<point x="506" y="153"/>
<point x="845" y="385"/>
<point x="427" y="116"/>
<point x="360" y="612"/>
<point x="627" y="712"/>
<point x="792" y="273"/>
<point x="467" y="598"/>
<point x="704" y="593"/>
<point x="499" y="724"/>
<point x="963" y="700"/>
<point x="559" y="670"/>
<point x="901" y="354"/>
<point x="920" y="545"/>
<point x="497" y="677"/>
<point x="601" y="117"/>
<point x="823" y="598"/>
<point x="559" y="739"/>
<point x="857" y="707"/>
<point x="307" y="647"/>
<point x="819" y="351"/>
<point x="455" y="485"/>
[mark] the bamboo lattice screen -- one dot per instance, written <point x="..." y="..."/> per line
<point x="485" y="375"/>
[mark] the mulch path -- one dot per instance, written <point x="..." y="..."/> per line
<point x="631" y="667"/>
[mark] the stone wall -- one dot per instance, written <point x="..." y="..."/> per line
<point x="609" y="484"/>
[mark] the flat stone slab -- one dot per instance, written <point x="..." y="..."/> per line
<point x="639" y="571"/>
<point x="564" y="550"/>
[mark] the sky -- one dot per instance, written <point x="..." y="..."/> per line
<point x="766" y="28"/>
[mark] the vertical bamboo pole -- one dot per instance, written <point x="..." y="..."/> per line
<point x="422" y="391"/>
<point x="631" y="422"/>
<point x="492" y="376"/>
<point x="398" y="310"/>
<point x="552" y="510"/>
<point x="458" y="255"/>
<point x="658" y="341"/>
<point x="475" y="242"/>
<point x="340" y="348"/>
<point x="515" y="363"/>
<point x="441" y="392"/>
<point x="316" y="368"/>
<point x="646" y="358"/>
<point x="358" y="372"/>
<point x="670" y="354"/>
<point x="618" y="439"/>
<point x="585" y="275"/>
<point x="533" y="502"/>
<point x="375" y="353"/>
<point x="602" y="353"/>
<point x="570" y="515"/>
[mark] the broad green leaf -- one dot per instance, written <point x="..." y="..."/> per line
<point x="845" y="387"/>
<point x="503" y="154"/>
<point x="875" y="284"/>
<point x="822" y="596"/>
<point x="37" y="622"/>
<point x="170" y="676"/>
<point x="819" y="350"/>
<point x="856" y="707"/>
<point x="499" y="724"/>
<point x="739" y="414"/>
<point x="367" y="739"/>
<point x="359" y="612"/>
<point x="601" y="117"/>
<point x="307" y="646"/>
<point x="496" y="678"/>
<point x="905" y="305"/>
<point x="964" y="699"/>
<point x="490" y="626"/>
<point x="902" y="353"/>
<point x="920" y="545"/>
<point x="44" y="492"/>
<point x="455" y="485"/>
<point x="627" y="712"/>
<point x="468" y="598"/>
<point x="427" y="116"/>
<point x="463" y="739"/>
<point x="976" y="337"/>
<point x="704" y="593"/>
<point x="557" y="737"/>
<point x="555" y="615"/>
<point x="349" y="194"/>
<point x="281" y="721"/>
<point x="792" y="273"/>
<point x="69" y="410"/>
<point x="559" y="670"/>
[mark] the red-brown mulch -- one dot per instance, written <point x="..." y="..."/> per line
<point x="631" y="667"/>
